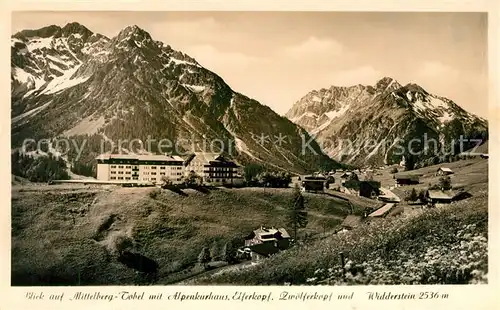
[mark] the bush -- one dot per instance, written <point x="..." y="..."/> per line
<point x="154" y="193"/>
<point x="119" y="243"/>
<point x="252" y="171"/>
<point x="204" y="256"/>
<point x="412" y="196"/>
<point x="422" y="196"/>
<point x="445" y="183"/>
<point x="274" y="179"/>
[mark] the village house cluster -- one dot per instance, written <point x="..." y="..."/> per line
<point x="212" y="168"/>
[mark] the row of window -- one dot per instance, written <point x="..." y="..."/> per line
<point x="162" y="167"/>
<point x="221" y="175"/>
<point x="220" y="169"/>
<point x="120" y="172"/>
<point x="120" y="178"/>
<point x="162" y="173"/>
<point x="146" y="167"/>
<point x="154" y="179"/>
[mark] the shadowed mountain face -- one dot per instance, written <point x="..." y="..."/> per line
<point x="376" y="124"/>
<point x="71" y="82"/>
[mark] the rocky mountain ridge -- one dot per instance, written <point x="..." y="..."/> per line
<point x="365" y="124"/>
<point x="70" y="82"/>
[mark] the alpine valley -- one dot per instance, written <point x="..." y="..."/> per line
<point x="73" y="83"/>
<point x="388" y="115"/>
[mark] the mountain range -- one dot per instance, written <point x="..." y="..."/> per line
<point x="69" y="82"/>
<point x="389" y="116"/>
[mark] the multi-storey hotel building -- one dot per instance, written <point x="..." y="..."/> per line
<point x="139" y="168"/>
<point x="213" y="168"/>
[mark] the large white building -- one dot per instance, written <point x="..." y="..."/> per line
<point x="139" y="168"/>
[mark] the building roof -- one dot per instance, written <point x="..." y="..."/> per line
<point x="352" y="221"/>
<point x="438" y="194"/>
<point x="284" y="233"/>
<point x="382" y="211"/>
<point x="209" y="158"/>
<point x="263" y="231"/>
<point x="140" y="157"/>
<point x="159" y="157"/>
<point x="116" y="156"/>
<point x="445" y="169"/>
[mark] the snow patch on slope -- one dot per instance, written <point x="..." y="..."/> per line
<point x="446" y="117"/>
<point x="64" y="81"/>
<point x="334" y="114"/>
<point x="31" y="112"/>
<point x="316" y="98"/>
<point x="179" y="62"/>
<point x="195" y="88"/>
<point x="39" y="43"/>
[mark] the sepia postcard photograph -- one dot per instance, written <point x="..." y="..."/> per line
<point x="249" y="148"/>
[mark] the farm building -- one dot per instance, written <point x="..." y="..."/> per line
<point x="265" y="241"/>
<point x="444" y="171"/>
<point x="439" y="196"/>
<point x="369" y="189"/>
<point x="406" y="179"/>
<point x="313" y="183"/>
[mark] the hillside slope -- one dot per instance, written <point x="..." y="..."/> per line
<point x="80" y="228"/>
<point x="446" y="245"/>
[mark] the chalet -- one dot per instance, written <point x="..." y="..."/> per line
<point x="213" y="168"/>
<point x="369" y="189"/>
<point x="406" y="179"/>
<point x="351" y="222"/>
<point x="444" y="171"/>
<point x="265" y="241"/>
<point x="442" y="197"/>
<point x="439" y="196"/>
<point x="382" y="211"/>
<point x="313" y="183"/>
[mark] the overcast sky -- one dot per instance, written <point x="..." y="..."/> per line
<point x="277" y="57"/>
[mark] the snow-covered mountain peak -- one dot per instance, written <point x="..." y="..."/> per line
<point x="387" y="84"/>
<point x="132" y="87"/>
<point x="135" y="37"/>
<point x="386" y="110"/>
